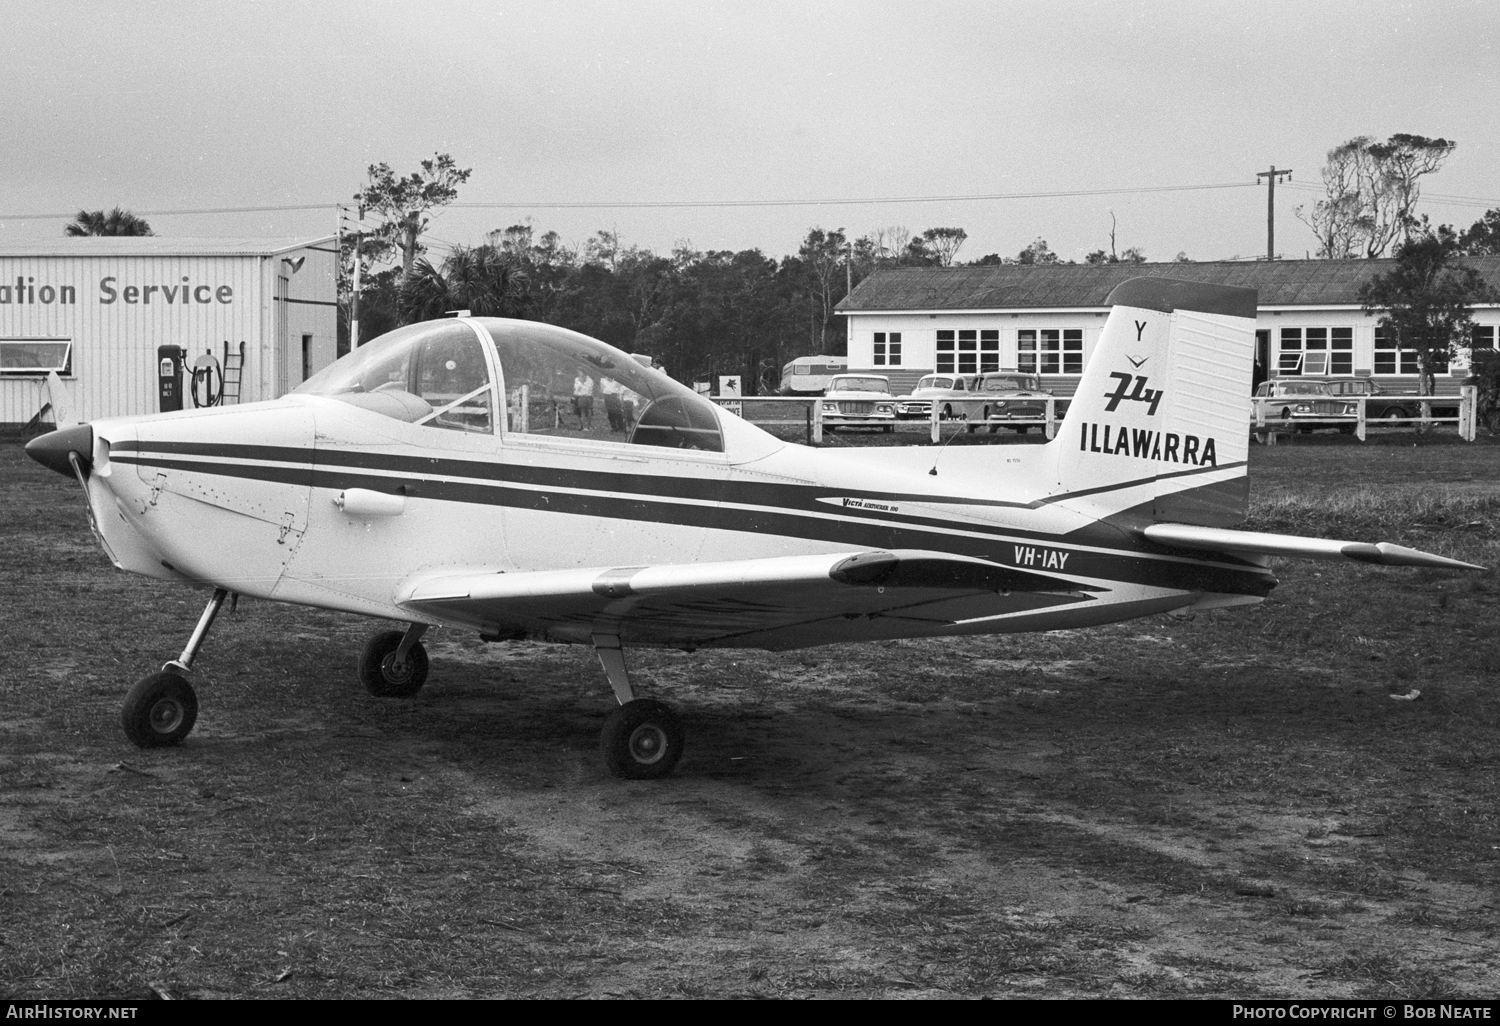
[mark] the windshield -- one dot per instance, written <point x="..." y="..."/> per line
<point x="1008" y="385"/>
<point x="434" y="374"/>
<point x="846" y="383"/>
<point x="1303" y="388"/>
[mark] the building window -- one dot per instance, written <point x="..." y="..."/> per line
<point x="989" y="351"/>
<point x="1483" y="338"/>
<point x="888" y="349"/>
<point x="1049" y="351"/>
<point x="36" y="356"/>
<point x="1316" y="351"/>
<point x="945" y="353"/>
<point x="1390" y="359"/>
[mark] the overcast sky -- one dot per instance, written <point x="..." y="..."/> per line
<point x="178" y="105"/>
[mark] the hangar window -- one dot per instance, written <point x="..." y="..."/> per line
<point x="36" y="356"/>
<point x="887" y="349"/>
<point x="1390" y="358"/>
<point x="1316" y="351"/>
<point x="561" y="384"/>
<point x="1049" y="351"/>
<point x="989" y="351"/>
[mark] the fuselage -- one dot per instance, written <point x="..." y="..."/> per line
<point x="310" y="500"/>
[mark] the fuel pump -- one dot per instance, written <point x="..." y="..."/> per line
<point x="169" y="361"/>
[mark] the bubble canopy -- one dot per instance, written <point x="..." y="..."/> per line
<point x="535" y="379"/>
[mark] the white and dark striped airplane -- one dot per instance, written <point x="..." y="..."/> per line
<point x="522" y="480"/>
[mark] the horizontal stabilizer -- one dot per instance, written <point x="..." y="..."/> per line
<point x="1215" y="539"/>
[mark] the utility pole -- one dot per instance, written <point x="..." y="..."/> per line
<point x="1270" y="177"/>
<point x="359" y="238"/>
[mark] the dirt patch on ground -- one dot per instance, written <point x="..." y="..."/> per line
<point x="1226" y="806"/>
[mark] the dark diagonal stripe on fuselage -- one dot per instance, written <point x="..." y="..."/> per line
<point x="702" y="503"/>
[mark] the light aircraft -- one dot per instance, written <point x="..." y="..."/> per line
<point x="525" y="481"/>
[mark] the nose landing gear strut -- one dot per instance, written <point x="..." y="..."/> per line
<point x="162" y="707"/>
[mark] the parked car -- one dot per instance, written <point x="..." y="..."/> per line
<point x="950" y="391"/>
<point x="1298" y="400"/>
<point x="858" y="400"/>
<point x="1010" y="396"/>
<point x="1384" y="405"/>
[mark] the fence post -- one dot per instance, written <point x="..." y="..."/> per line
<point x="1359" y="427"/>
<point x="817" y="420"/>
<point x="936" y="431"/>
<point x="1051" y="428"/>
<point x="1468" y="412"/>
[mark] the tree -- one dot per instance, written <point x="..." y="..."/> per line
<point x="1424" y="302"/>
<point x="1371" y="191"/>
<point x="405" y="202"/>
<point x="1038" y="253"/>
<point x="97" y="222"/>
<point x="1482" y="238"/>
<point x="822" y="254"/>
<point x="944" y="243"/>
<point x="483" y="280"/>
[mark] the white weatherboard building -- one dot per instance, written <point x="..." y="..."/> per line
<point x="1046" y="319"/>
<point x="96" y="309"/>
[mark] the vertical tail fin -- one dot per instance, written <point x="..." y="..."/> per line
<point x="1159" y="425"/>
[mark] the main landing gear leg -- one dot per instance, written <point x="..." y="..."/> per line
<point x="642" y="739"/>
<point x="162" y="708"/>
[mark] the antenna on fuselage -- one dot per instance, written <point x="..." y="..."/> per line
<point x="939" y="455"/>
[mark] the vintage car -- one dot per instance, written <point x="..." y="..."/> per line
<point x="950" y="391"/>
<point x="1383" y="405"/>
<point x="1308" y="405"/>
<point x="858" y="400"/>
<point x="1008" y="396"/>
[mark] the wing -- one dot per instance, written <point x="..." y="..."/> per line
<point x="1216" y="539"/>
<point x="782" y="602"/>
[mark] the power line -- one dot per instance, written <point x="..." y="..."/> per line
<point x="868" y="201"/>
<point x="699" y="204"/>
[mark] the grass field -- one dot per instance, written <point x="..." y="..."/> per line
<point x="1232" y="805"/>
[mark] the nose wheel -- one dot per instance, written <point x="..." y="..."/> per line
<point x="162" y="708"/>
<point x="159" y="711"/>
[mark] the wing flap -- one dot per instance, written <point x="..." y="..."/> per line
<point x="1218" y="539"/>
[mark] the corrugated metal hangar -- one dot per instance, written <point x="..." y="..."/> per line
<point x="100" y="310"/>
<point x="1045" y="319"/>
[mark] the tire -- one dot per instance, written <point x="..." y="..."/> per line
<point x="159" y="711"/>
<point x="1023" y="429"/>
<point x="641" y="740"/>
<point x="888" y="428"/>
<point x="1394" y="413"/>
<point x="378" y="674"/>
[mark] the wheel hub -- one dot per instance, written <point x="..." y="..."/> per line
<point x="648" y="744"/>
<point x="166" y="715"/>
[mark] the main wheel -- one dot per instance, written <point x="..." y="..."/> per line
<point x="159" y="711"/>
<point x="381" y="676"/>
<point x="641" y="740"/>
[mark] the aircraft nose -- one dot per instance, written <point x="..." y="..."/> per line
<point x="52" y="449"/>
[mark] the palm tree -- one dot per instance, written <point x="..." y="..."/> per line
<point x="116" y="222"/>
<point x="482" y="280"/>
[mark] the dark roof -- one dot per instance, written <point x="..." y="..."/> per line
<point x="1065" y="286"/>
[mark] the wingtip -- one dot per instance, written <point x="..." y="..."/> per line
<point x="1389" y="554"/>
